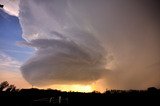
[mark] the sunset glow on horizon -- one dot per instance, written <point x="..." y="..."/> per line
<point x="73" y="88"/>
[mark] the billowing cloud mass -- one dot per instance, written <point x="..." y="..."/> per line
<point x="66" y="52"/>
<point x="82" y="41"/>
<point x="62" y="61"/>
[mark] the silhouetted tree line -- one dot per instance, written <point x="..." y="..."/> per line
<point x="9" y="95"/>
<point x="4" y="86"/>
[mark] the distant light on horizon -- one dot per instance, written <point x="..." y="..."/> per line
<point x="72" y="87"/>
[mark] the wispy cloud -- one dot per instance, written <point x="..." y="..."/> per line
<point x="8" y="62"/>
<point x="9" y="71"/>
<point x="17" y="51"/>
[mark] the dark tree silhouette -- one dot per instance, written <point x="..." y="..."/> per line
<point x="4" y="85"/>
<point x="49" y="97"/>
<point x="1" y="6"/>
<point x="11" y="88"/>
<point x="152" y="89"/>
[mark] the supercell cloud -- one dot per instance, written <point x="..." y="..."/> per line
<point x="66" y="52"/>
<point x="82" y="41"/>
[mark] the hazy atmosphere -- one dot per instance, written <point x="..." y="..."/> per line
<point x="80" y="45"/>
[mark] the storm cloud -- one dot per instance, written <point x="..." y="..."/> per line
<point x="84" y="41"/>
<point x="62" y="62"/>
